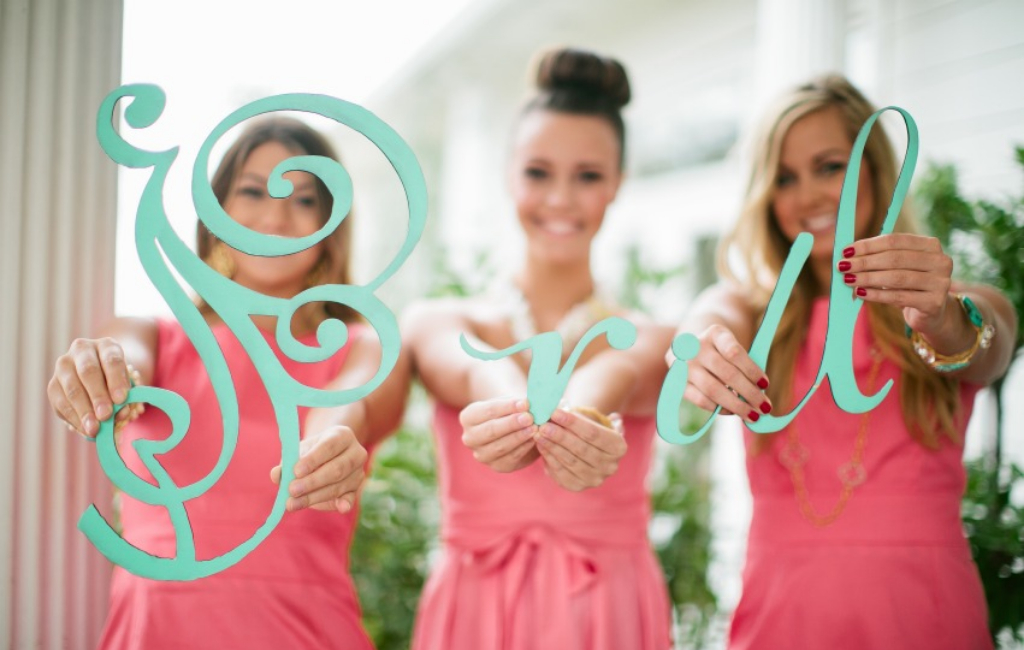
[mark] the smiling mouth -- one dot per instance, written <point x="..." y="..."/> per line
<point x="819" y="224"/>
<point x="558" y="228"/>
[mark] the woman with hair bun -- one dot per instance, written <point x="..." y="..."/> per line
<point x="545" y="527"/>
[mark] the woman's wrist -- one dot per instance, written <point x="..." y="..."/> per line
<point x="965" y="333"/>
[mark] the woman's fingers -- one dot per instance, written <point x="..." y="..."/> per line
<point x="908" y="271"/>
<point x="736" y="355"/>
<point x="584" y="437"/>
<point x="556" y="462"/>
<point x="723" y="374"/>
<point x="330" y="469"/>
<point x="484" y="434"/>
<point x="480" y="412"/>
<point x="115" y="370"/>
<point x="498" y="432"/>
<point x="578" y="452"/>
<point x="90" y="370"/>
<point x="72" y="402"/>
<point x="501" y="446"/>
<point x="892" y="241"/>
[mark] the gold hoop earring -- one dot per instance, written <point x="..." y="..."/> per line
<point x="220" y="260"/>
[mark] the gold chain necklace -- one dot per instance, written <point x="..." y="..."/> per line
<point x="794" y="455"/>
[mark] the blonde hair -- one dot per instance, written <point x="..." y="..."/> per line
<point x="929" y="401"/>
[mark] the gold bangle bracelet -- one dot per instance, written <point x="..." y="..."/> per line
<point x="983" y="335"/>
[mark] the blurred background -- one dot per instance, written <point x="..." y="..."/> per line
<point x="449" y="76"/>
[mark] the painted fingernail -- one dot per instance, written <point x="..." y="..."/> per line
<point x="766" y="408"/>
<point x="845" y="266"/>
<point x="762" y="383"/>
<point x="753" y="416"/>
<point x="524" y="419"/>
<point x="849" y="278"/>
<point x="848" y="251"/>
<point x="861" y="291"/>
<point x="296" y="489"/>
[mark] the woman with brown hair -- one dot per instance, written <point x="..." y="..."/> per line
<point x="294" y="589"/>
<point x="856" y="539"/>
<point x="545" y="528"/>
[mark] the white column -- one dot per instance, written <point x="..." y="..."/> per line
<point x="797" y="39"/>
<point x="58" y="59"/>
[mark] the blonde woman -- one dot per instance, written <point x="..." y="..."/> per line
<point x="856" y="539"/>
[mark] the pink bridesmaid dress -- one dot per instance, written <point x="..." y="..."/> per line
<point x="894" y="569"/>
<point x="528" y="565"/>
<point x="294" y="590"/>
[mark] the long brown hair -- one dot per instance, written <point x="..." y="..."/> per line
<point x="335" y="251"/>
<point x="929" y="401"/>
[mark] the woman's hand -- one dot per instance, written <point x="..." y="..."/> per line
<point x="87" y="381"/>
<point x="329" y="472"/>
<point x="500" y="433"/>
<point x="723" y="374"/>
<point x="579" y="453"/>
<point x="911" y="272"/>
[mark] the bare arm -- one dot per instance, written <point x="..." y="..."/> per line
<point x="494" y="415"/>
<point x="431" y="330"/>
<point x="377" y="415"/>
<point x="332" y="453"/>
<point x="624" y="381"/>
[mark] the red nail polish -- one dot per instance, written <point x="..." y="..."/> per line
<point x="766" y="408"/>
<point x="753" y="416"/>
<point x="848" y="251"/>
<point x="762" y="383"/>
<point x="845" y="266"/>
<point x="861" y="291"/>
<point x="849" y="278"/>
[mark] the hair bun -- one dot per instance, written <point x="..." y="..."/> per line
<point x="571" y="70"/>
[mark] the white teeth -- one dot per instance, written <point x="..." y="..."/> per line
<point x="823" y="222"/>
<point x="559" y="228"/>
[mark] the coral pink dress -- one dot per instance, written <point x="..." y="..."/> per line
<point x="894" y="569"/>
<point x="528" y="565"/>
<point x="294" y="590"/>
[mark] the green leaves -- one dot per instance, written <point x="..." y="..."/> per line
<point x="985" y="238"/>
